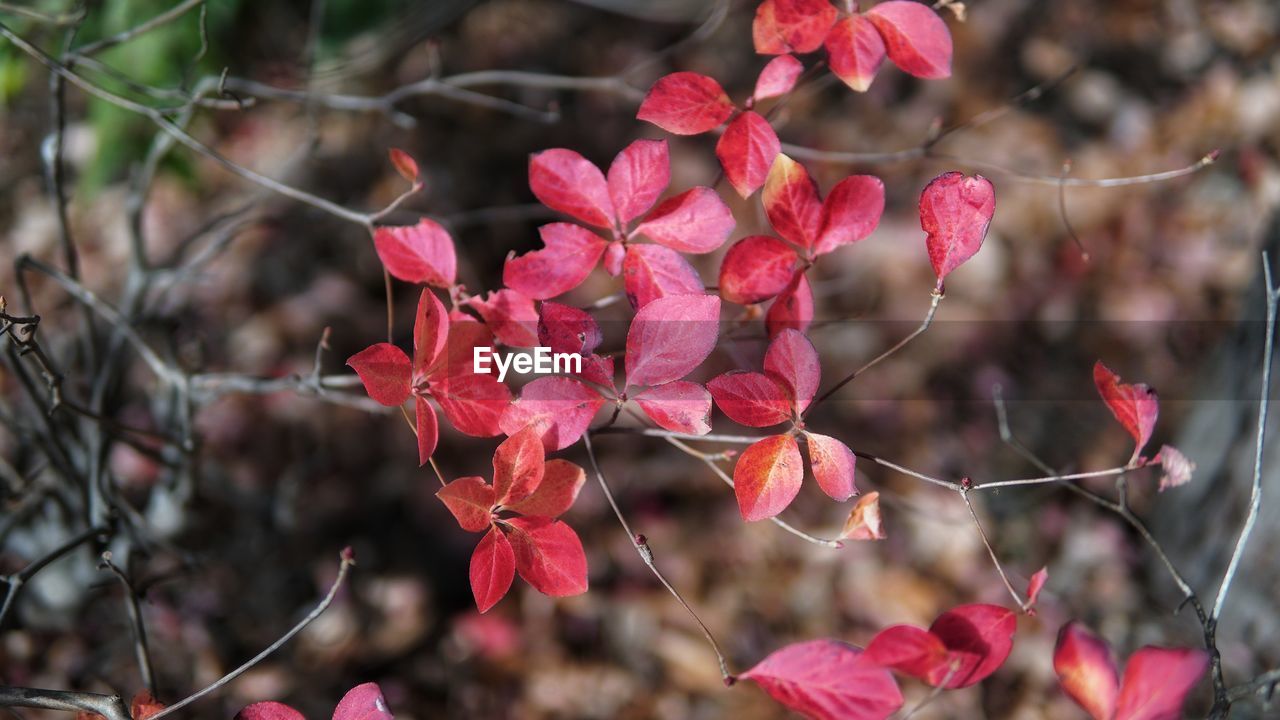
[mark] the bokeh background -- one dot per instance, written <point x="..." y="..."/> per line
<point x="1169" y="295"/>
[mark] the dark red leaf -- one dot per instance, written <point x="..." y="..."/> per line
<point x="827" y="680"/>
<point x="493" y="567"/>
<point x="430" y="332"/>
<point x="686" y="103"/>
<point x="855" y="51"/>
<point x="637" y="177"/>
<point x="695" y="221"/>
<point x="565" y="181"/>
<point x="747" y="150"/>
<point x="751" y="398"/>
<point x="670" y="337"/>
<point x="555" y="495"/>
<point x="385" y="371"/>
<point x="767" y="477"/>
<point x="850" y="213"/>
<point x="471" y="501"/>
<point x="679" y="406"/>
<point x="570" y="253"/>
<point x="915" y="37"/>
<point x="756" y="268"/>
<point x="426" y="427"/>
<point x="962" y="647"/>
<point x="518" y="466"/>
<point x="421" y="253"/>
<point x="549" y="556"/>
<point x="652" y="271"/>
<point x="955" y="211"/>
<point x="1135" y="406"/>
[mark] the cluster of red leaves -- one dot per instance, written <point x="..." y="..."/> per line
<point x="362" y="702"/>
<point x="546" y="552"/>
<point x="1137" y="407"/>
<point x="1155" y="684"/>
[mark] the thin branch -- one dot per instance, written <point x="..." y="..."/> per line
<point x="111" y="707"/>
<point x="142" y="28"/>
<point x="141" y="651"/>
<point x="16" y="581"/>
<point x="964" y="493"/>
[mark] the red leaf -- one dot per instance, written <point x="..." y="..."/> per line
<point x="404" y="163"/>
<point x="549" y="556"/>
<point x="792" y="309"/>
<point x="851" y="212"/>
<point x="679" y="406"/>
<point x="915" y="38"/>
<point x="566" y="182"/>
<point x="670" y="337"/>
<point x="613" y="258"/>
<point x="864" y="521"/>
<point x="560" y="485"/>
<point x="955" y="211"/>
<point x="458" y="358"/>
<point x="750" y="398"/>
<point x="768" y="477"/>
<point x="560" y="409"/>
<point x="965" y="645"/>
<point x="799" y="26"/>
<point x="695" y="221"/>
<point x="421" y="253"/>
<point x="792" y="359"/>
<point x="385" y="371"/>
<point x="777" y="78"/>
<point x="855" y="51"/>
<point x="827" y="680"/>
<point x="1086" y="671"/>
<point x="832" y="463"/>
<point x="567" y="329"/>
<point x="755" y="269"/>
<point x="686" y="103"/>
<point x="473" y="403"/>
<point x="471" y="500"/>
<point x="1035" y="585"/>
<point x="144" y="705"/>
<point x="518" y="466"/>
<point x="426" y="428"/>
<point x="363" y="702"/>
<point x="267" y="711"/>
<point x="598" y="370"/>
<point x="510" y="315"/>
<point x="637" y="177"/>
<point x="493" y="567"/>
<point x="747" y="150"/>
<point x="570" y="253"/>
<point x="430" y="332"/>
<point x="1135" y="406"/>
<point x="652" y="271"/>
<point x="1156" y="682"/>
<point x="791" y="202"/>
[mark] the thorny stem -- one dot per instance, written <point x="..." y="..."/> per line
<point x="641" y="545"/>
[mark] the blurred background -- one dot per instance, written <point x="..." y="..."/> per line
<point x="229" y="553"/>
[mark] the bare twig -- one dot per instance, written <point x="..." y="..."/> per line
<point x="111" y="707"/>
<point x="141" y="651"/>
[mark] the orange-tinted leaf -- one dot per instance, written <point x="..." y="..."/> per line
<point x="785" y="26"/>
<point x="144" y="705"/>
<point x="791" y="202"/>
<point x="792" y="309"/>
<point x="1135" y="406"/>
<point x="833" y="464"/>
<point x="955" y="212"/>
<point x="493" y="568"/>
<point x="559" y="408"/>
<point x="679" y="406"/>
<point x="827" y="680"/>
<point x="751" y="398"/>
<point x="637" y="177"/>
<point x="747" y="150"/>
<point x="559" y="488"/>
<point x="518" y="466"/>
<point x="421" y="253"/>
<point x="569" y="254"/>
<point x="768" y="477"/>
<point x="471" y="501"/>
<point x="864" y="522"/>
<point x="549" y="556"/>
<point x="670" y="337"/>
<point x="756" y="268"/>
<point x="510" y="315"/>
<point x="385" y="371"/>
<point x="851" y="212"/>
<point x="405" y="165"/>
<point x="915" y="37"/>
<point x="855" y="51"/>
<point x="566" y="182"/>
<point x="695" y="221"/>
<point x="686" y="103"/>
<point x="777" y="78"/>
<point x="650" y="272"/>
<point x="1156" y="682"/>
<point x="1086" y="671"/>
<point x="792" y="359"/>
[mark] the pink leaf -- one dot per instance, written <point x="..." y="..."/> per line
<point x="792" y="359"/>
<point x="430" y="332"/>
<point x="269" y="711"/>
<point x="518" y="466"/>
<point x="747" y="150"/>
<point x="855" y="51"/>
<point x="471" y="501"/>
<point x="560" y="409"/>
<point x="569" y="255"/>
<point x="767" y="477"/>
<point x="686" y="103"/>
<point x="599" y="370"/>
<point x="473" y="403"/>
<point x="557" y="492"/>
<point x="549" y="556"/>
<point x="1135" y="406"/>
<point x="915" y="37"/>
<point x="962" y="647"/>
<point x="784" y="26"/>
<point x="458" y="358"/>
<point x="363" y="702"/>
<point x="421" y="253"/>
<point x="1176" y="468"/>
<point x="864" y="521"/>
<point x="1034" y="586"/>
<point x="752" y="399"/>
<point x="670" y="337"/>
<point x="832" y="463"/>
<point x="777" y="78"/>
<point x="1086" y="671"/>
<point x="385" y="371"/>
<point x="566" y="182"/>
<point x="695" y="221"/>
<point x="955" y="211"/>
<point x="637" y="177"/>
<point x="851" y="212"/>
<point x="510" y="315"/>
<point x="613" y="258"/>
<point x="679" y="406"/>
<point x="652" y="271"/>
<point x="427" y="428"/>
<point x="404" y="164"/>
<point x="493" y="568"/>
<point x="792" y="309"/>
<point x="791" y="202"/>
<point x="756" y="268"/>
<point x="1156" y="683"/>
<point x="567" y="329"/>
<point x="827" y="680"/>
